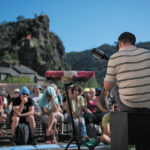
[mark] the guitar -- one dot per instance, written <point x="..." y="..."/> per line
<point x="99" y="54"/>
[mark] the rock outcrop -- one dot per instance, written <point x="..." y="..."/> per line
<point x="29" y="42"/>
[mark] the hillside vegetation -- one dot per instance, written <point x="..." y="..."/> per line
<point x="85" y="61"/>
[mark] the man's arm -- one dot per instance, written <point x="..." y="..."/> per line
<point x="108" y="85"/>
<point x="99" y="105"/>
<point x="20" y="107"/>
<point x="30" y="112"/>
<point x="44" y="111"/>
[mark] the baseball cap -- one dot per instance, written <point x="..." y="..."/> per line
<point x="16" y="90"/>
<point x="86" y="90"/>
<point x="38" y="86"/>
<point x="98" y="89"/>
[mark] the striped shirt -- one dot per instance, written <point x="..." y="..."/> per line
<point x="130" y="67"/>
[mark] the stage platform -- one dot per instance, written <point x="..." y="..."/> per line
<point x="5" y="143"/>
<point x="59" y="146"/>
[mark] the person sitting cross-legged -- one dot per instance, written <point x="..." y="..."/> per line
<point x="106" y="136"/>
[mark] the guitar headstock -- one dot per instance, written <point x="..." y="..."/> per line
<point x="99" y="54"/>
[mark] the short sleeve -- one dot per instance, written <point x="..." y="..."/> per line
<point x="82" y="101"/>
<point x="30" y="102"/>
<point x="106" y="120"/>
<point x="16" y="101"/>
<point x="111" y="71"/>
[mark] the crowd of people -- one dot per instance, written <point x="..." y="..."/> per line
<point x="51" y="106"/>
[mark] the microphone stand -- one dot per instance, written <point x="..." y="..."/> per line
<point x="74" y="133"/>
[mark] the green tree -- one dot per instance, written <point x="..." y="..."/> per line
<point x="20" y="18"/>
<point x="91" y="83"/>
<point x="35" y="15"/>
<point x="6" y="56"/>
<point x="4" y="22"/>
<point x="68" y="67"/>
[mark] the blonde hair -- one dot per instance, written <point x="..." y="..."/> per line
<point x="92" y="89"/>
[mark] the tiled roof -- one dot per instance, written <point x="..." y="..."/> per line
<point x="19" y="70"/>
<point x="10" y="71"/>
<point x="24" y="70"/>
<point x="40" y="78"/>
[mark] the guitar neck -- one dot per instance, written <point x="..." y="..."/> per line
<point x="99" y="54"/>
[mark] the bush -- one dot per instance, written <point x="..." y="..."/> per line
<point x="20" y="79"/>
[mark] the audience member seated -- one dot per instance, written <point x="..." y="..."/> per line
<point x="23" y="111"/>
<point x="60" y="114"/>
<point x="105" y="137"/>
<point x="36" y="96"/>
<point x="94" y="111"/>
<point x="14" y="96"/>
<point x="5" y="101"/>
<point x="77" y="105"/>
<point x="69" y="125"/>
<point x="86" y="93"/>
<point x="50" y="107"/>
<point x="2" y="118"/>
<point x="98" y="91"/>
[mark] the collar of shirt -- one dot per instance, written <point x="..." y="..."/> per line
<point x="128" y="48"/>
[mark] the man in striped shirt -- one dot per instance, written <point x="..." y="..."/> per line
<point x="129" y="70"/>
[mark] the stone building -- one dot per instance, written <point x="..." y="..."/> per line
<point x="16" y="71"/>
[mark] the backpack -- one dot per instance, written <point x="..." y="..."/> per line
<point x="93" y="130"/>
<point x="22" y="134"/>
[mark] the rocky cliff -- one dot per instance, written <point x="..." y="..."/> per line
<point x="29" y="42"/>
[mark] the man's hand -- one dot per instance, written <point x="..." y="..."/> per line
<point x="80" y="119"/>
<point x="24" y="100"/>
<point x="18" y="114"/>
<point x="89" y="112"/>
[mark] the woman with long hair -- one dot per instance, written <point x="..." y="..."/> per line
<point x="77" y="105"/>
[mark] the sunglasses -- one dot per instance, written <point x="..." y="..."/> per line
<point x="24" y="94"/>
<point x="76" y="89"/>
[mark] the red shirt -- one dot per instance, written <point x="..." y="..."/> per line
<point x="92" y="105"/>
<point x="1" y="101"/>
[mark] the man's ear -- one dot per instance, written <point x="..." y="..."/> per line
<point x="119" y="44"/>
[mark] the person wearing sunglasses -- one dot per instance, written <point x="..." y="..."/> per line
<point x="77" y="104"/>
